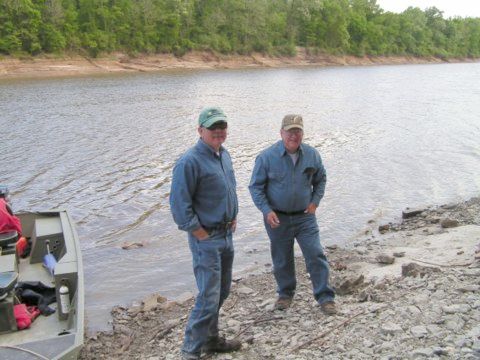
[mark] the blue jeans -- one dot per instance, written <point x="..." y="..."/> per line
<point x="304" y="228"/>
<point x="212" y="266"/>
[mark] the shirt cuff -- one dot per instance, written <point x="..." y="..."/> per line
<point x="266" y="209"/>
<point x="193" y="225"/>
<point x="316" y="200"/>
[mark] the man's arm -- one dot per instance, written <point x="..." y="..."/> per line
<point x="184" y="179"/>
<point x="319" y="181"/>
<point x="257" y="187"/>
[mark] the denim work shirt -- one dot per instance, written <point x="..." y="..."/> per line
<point x="203" y="191"/>
<point x="278" y="184"/>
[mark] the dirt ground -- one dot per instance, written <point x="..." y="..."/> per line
<point x="409" y="290"/>
<point x="48" y="66"/>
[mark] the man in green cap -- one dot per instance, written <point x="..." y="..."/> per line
<point x="203" y="202"/>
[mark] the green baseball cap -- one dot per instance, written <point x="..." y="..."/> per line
<point x="210" y="116"/>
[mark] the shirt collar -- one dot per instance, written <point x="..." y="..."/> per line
<point x="206" y="149"/>
<point x="283" y="151"/>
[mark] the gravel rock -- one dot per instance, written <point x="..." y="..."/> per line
<point x="390" y="328"/>
<point x="419" y="331"/>
<point x="385" y="259"/>
<point x="427" y="312"/>
<point x="449" y="223"/>
<point x="456" y="309"/>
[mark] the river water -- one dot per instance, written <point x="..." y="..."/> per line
<point x="103" y="147"/>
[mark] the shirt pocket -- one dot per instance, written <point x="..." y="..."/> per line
<point x="307" y="174"/>
<point x="212" y="184"/>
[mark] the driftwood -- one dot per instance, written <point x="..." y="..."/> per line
<point x="162" y="332"/>
<point x="134" y="245"/>
<point x="259" y="319"/>
<point x="325" y="333"/>
<point x="442" y="265"/>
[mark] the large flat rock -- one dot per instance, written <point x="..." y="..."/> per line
<point x="451" y="248"/>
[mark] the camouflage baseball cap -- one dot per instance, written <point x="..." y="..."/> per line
<point x="210" y="116"/>
<point x="292" y="121"/>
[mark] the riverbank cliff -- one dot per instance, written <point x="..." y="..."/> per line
<point x="44" y="67"/>
<point x="404" y="290"/>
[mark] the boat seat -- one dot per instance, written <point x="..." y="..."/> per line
<point x="8" y="280"/>
<point x="8" y="274"/>
<point x="7" y="242"/>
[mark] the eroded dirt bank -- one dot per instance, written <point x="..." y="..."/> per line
<point x="42" y="67"/>
<point x="409" y="290"/>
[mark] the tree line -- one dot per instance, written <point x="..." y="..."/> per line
<point x="275" y="27"/>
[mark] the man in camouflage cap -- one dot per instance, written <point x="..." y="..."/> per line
<point x="287" y="184"/>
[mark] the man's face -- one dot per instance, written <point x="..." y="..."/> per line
<point x="215" y="135"/>
<point x="292" y="139"/>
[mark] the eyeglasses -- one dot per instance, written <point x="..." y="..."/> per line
<point x="294" y="132"/>
<point x="218" y="126"/>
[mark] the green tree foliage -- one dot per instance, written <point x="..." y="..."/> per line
<point x="277" y="27"/>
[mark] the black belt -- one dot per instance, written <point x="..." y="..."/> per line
<point x="220" y="227"/>
<point x="290" y="213"/>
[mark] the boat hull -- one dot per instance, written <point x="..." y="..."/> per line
<point x="58" y="336"/>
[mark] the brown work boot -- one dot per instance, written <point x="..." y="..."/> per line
<point x="283" y="303"/>
<point x="328" y="308"/>
<point x="188" y="356"/>
<point x="221" y="345"/>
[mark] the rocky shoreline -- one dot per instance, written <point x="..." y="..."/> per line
<point x="408" y="290"/>
<point x="74" y="65"/>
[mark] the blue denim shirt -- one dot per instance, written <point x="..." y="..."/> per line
<point x="203" y="191"/>
<point x="277" y="184"/>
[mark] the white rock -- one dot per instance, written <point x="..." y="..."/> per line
<point x="439" y="295"/>
<point x="469" y="288"/>
<point x="462" y="342"/>
<point x="368" y="343"/>
<point x="427" y="352"/>
<point x="421" y="299"/>
<point x="386" y="346"/>
<point x="308" y="324"/>
<point x="245" y="290"/>
<point x="419" y="331"/>
<point x="413" y="310"/>
<point x="455" y="323"/>
<point x="233" y="323"/>
<point x="439" y="351"/>
<point x="267" y="302"/>
<point x="476" y="346"/>
<point x="390" y="328"/>
<point x="456" y="309"/>
<point x="368" y="351"/>
<point x="474" y="332"/>
<point x="435" y="330"/>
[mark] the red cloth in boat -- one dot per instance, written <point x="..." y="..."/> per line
<point x="8" y="221"/>
<point x="25" y="315"/>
